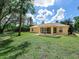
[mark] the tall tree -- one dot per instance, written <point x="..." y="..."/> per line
<point x="77" y="22"/>
<point x="25" y="6"/>
<point x="9" y="7"/>
<point x="4" y="11"/>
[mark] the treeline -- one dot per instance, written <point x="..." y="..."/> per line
<point x="12" y="12"/>
<point x="73" y="24"/>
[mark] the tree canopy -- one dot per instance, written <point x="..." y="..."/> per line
<point x="9" y="8"/>
<point x="76" y="23"/>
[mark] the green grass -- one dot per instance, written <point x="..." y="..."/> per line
<point x="31" y="46"/>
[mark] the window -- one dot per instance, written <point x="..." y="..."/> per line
<point x="49" y="30"/>
<point x="45" y="30"/>
<point x="54" y="30"/>
<point x="60" y="29"/>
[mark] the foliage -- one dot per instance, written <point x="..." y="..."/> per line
<point x="11" y="8"/>
<point x="71" y="26"/>
<point x="6" y="12"/>
<point x="24" y="28"/>
<point x="10" y="27"/>
<point x="24" y="7"/>
<point x="76" y="23"/>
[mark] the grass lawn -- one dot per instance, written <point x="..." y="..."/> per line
<point x="31" y="46"/>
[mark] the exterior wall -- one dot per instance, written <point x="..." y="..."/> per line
<point x="64" y="30"/>
<point x="35" y="30"/>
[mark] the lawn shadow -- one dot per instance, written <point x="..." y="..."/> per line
<point x="10" y="34"/>
<point x="11" y="49"/>
<point x="5" y="43"/>
<point x="21" y="47"/>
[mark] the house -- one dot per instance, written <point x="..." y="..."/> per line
<point x="50" y="28"/>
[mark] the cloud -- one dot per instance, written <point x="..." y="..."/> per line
<point x="40" y="17"/>
<point x="53" y="10"/>
<point x="44" y="3"/>
<point x="59" y="16"/>
<point x="47" y="21"/>
<point x="44" y="12"/>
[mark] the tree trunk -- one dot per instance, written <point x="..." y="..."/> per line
<point x="2" y="29"/>
<point x="19" y="34"/>
<point x="20" y="20"/>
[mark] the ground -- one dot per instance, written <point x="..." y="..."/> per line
<point x="31" y="46"/>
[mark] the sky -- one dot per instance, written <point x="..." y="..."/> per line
<point x="53" y="10"/>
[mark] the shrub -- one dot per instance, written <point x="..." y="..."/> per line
<point x="24" y="28"/>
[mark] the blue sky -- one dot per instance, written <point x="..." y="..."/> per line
<point x="55" y="10"/>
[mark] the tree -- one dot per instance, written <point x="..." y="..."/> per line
<point x="70" y="23"/>
<point x="25" y="6"/>
<point x="76" y="23"/>
<point x="11" y="7"/>
<point x="4" y="11"/>
<point x="7" y="11"/>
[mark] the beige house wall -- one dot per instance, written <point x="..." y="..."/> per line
<point x="65" y="30"/>
<point x="35" y="29"/>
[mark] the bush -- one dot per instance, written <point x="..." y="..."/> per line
<point x="24" y="28"/>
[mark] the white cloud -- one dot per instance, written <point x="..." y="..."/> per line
<point x="44" y="3"/>
<point x="47" y="21"/>
<point x="44" y="12"/>
<point x="40" y="17"/>
<point x="59" y="16"/>
<point x="53" y="10"/>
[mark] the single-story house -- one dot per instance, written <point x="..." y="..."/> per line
<point x="50" y="28"/>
